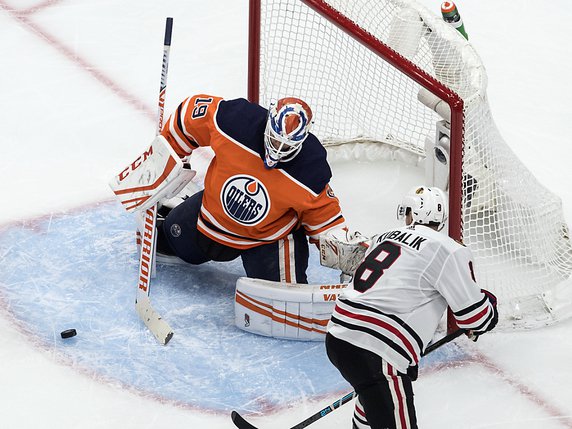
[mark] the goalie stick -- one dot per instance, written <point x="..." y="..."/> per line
<point x="241" y="423"/>
<point x="158" y="327"/>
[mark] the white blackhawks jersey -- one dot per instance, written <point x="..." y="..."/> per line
<point x="401" y="290"/>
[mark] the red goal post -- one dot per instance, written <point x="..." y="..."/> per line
<point x="376" y="70"/>
<point x="398" y="61"/>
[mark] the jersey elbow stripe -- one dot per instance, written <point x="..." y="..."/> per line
<point x="471" y="308"/>
<point x="180" y="126"/>
<point x="483" y="326"/>
<point x="338" y="223"/>
<point x="182" y="147"/>
<point x="474" y="320"/>
<point x="176" y="127"/>
<point x="190" y="138"/>
<point x="324" y="224"/>
<point x="359" y="409"/>
<point x="359" y="415"/>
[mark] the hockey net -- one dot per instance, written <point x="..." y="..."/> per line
<point x="364" y="65"/>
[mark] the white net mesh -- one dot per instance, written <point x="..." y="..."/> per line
<point x="514" y="226"/>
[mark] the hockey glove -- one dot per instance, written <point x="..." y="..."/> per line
<point x="413" y="372"/>
<point x="342" y="249"/>
<point x="474" y="335"/>
<point x="156" y="175"/>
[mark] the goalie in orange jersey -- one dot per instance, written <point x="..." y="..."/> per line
<point x="265" y="193"/>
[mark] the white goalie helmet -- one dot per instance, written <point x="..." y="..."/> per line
<point x="288" y="125"/>
<point x="428" y="205"/>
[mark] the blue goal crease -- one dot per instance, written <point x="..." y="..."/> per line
<point x="78" y="270"/>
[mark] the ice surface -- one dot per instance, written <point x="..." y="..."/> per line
<point x="77" y="270"/>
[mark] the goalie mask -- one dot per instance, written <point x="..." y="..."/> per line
<point x="428" y="205"/>
<point x="288" y="125"/>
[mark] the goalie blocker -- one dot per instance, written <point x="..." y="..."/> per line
<point x="285" y="310"/>
<point x="157" y="174"/>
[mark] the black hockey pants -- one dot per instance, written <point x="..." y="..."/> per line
<point x="385" y="395"/>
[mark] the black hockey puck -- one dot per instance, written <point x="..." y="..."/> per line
<point x="68" y="333"/>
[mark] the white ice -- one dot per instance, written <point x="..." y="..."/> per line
<point x="79" y="87"/>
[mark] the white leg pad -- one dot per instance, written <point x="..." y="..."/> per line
<point x="284" y="310"/>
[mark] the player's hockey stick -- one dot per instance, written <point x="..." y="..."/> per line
<point x="159" y="327"/>
<point x="241" y="423"/>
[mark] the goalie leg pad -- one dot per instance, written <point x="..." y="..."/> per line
<point x="284" y="310"/>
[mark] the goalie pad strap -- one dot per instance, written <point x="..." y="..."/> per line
<point x="284" y="310"/>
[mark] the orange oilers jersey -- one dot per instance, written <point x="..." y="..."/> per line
<point x="244" y="203"/>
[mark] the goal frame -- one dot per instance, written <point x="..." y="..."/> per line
<point x="405" y="66"/>
<point x="453" y="100"/>
<point x="406" y="55"/>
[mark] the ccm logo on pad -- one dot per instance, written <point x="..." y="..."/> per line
<point x="135" y="164"/>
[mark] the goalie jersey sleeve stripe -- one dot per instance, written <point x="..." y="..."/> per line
<point x="176" y="133"/>
<point x="181" y="128"/>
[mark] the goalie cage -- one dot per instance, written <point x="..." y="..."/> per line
<point x="364" y="65"/>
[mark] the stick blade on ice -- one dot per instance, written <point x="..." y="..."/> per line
<point x="158" y="327"/>
<point x="239" y="422"/>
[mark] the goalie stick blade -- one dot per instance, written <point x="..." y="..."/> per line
<point x="239" y="421"/>
<point x="158" y="327"/>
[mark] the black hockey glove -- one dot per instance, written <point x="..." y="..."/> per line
<point x="493" y="300"/>
<point x="413" y="372"/>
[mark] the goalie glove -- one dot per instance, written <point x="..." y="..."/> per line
<point x="342" y="249"/>
<point x="158" y="174"/>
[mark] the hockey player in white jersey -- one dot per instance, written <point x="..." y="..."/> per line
<point x="385" y="319"/>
